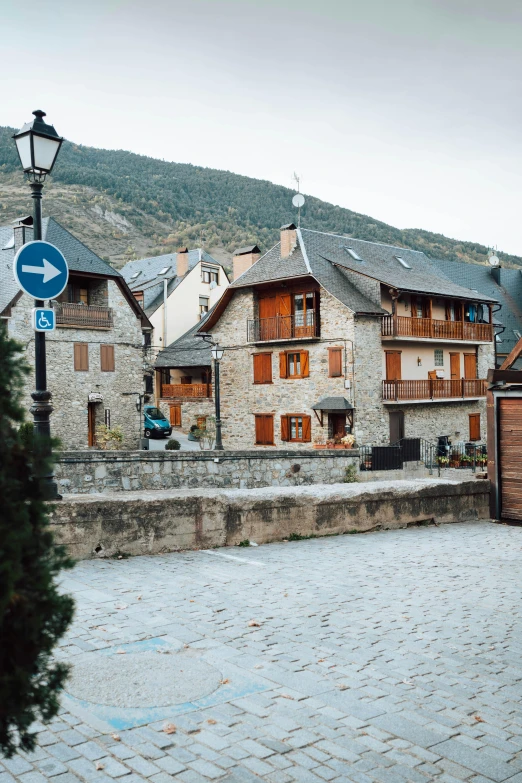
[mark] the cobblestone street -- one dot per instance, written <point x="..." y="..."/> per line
<point x="385" y="657"/>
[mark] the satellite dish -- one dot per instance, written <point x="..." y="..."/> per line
<point x="494" y="260"/>
<point x="298" y="200"/>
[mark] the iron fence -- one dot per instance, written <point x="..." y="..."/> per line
<point x="434" y="457"/>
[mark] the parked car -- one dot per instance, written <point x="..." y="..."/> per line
<point x="155" y="424"/>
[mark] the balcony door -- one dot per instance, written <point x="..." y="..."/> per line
<point x="470" y="366"/>
<point x="455" y="374"/>
<point x="393" y="366"/>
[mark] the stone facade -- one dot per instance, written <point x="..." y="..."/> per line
<point x="191" y="409"/>
<point x="71" y="388"/>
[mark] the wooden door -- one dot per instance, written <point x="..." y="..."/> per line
<point x="284" y="311"/>
<point x="337" y="424"/>
<point x="474" y="426"/>
<point x="510" y="452"/>
<point x="455" y="374"/>
<point x="91" y="423"/>
<point x="175" y="415"/>
<point x="396" y="426"/>
<point x="470" y="366"/>
<point x="393" y="366"/>
<point x="267" y="318"/>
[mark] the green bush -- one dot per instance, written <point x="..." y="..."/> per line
<point x="33" y="613"/>
<point x="26" y="433"/>
<point x="350" y="475"/>
<point x="173" y="444"/>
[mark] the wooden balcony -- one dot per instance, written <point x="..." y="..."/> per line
<point x="403" y="326"/>
<point x="83" y="316"/>
<point x="396" y="391"/>
<point x="283" y="327"/>
<point x="187" y="390"/>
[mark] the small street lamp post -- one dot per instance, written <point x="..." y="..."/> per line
<point x="38" y="145"/>
<point x="217" y="355"/>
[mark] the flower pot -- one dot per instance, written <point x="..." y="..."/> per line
<point x="319" y="445"/>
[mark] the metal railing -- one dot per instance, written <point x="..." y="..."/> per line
<point x="186" y="390"/>
<point x="437" y="389"/>
<point x="283" y="327"/>
<point x="433" y="456"/>
<point x="405" y="326"/>
<point x="83" y="316"/>
<point x="462" y="455"/>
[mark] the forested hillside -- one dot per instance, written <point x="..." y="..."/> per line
<point x="126" y="206"/>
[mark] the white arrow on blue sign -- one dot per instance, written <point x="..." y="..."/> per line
<point x="41" y="270"/>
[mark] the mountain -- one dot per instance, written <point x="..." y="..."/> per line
<point x="127" y="206"/>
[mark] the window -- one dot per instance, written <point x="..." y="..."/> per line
<point x="419" y="307"/>
<point x="135" y="275"/>
<point x="201" y="422"/>
<point x="296" y="428"/>
<point x="264" y="429"/>
<point x="107" y="358"/>
<point x="262" y="367"/>
<point x="439" y="357"/>
<point x="214" y="276"/>
<point x="203" y="305"/>
<point x="209" y="275"/>
<point x="353" y="253"/>
<point x="107" y="418"/>
<point x="474" y="426"/>
<point x="335" y="362"/>
<point x="304" y="309"/>
<point x="147" y="339"/>
<point x="164" y="270"/>
<point x="294" y="364"/>
<point x="81" y="357"/>
<point x="138" y="295"/>
<point x="149" y="384"/>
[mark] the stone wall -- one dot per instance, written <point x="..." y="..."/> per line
<point x="137" y="523"/>
<point x="371" y="418"/>
<point x="70" y="389"/>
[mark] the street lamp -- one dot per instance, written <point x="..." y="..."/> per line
<point x="217" y="355"/>
<point x="38" y="145"/>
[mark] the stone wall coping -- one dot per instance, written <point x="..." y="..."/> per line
<point x="142" y="455"/>
<point x="327" y="493"/>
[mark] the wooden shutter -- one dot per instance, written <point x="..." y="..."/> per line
<point x="283" y="365"/>
<point x="470" y="366"/>
<point x="393" y="366"/>
<point x="307" y="429"/>
<point x="335" y="362"/>
<point x="285" y="428"/>
<point x="305" y="364"/>
<point x="264" y="429"/>
<point x="107" y="358"/>
<point x="175" y="415"/>
<point x="262" y="367"/>
<point x="474" y="426"/>
<point x="81" y="356"/>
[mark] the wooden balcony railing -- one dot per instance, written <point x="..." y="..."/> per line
<point x="83" y="316"/>
<point x="283" y="327"/>
<point x="186" y="390"/>
<point x="433" y="390"/>
<point x="403" y="326"/>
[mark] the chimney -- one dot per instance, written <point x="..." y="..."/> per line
<point x="288" y="239"/>
<point x="243" y="259"/>
<point x="495" y="274"/>
<point x="23" y="232"/>
<point x="182" y="261"/>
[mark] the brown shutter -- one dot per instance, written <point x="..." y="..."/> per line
<point x="305" y="364"/>
<point x="335" y="362"/>
<point x="107" y="358"/>
<point x="258" y="371"/>
<point x="285" y="429"/>
<point x="283" y="365"/>
<point x="474" y="426"/>
<point x="269" y="430"/>
<point x="307" y="429"/>
<point x="81" y="357"/>
<point x="448" y="309"/>
<point x="262" y="367"/>
<point x="264" y="429"/>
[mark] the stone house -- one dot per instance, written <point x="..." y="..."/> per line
<point x="330" y="334"/>
<point x="97" y="354"/>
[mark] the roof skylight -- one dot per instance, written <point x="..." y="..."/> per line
<point x="352" y="253"/>
<point x="164" y="270"/>
<point x="402" y="262"/>
<point x="10" y="244"/>
<point x="135" y="275"/>
<point x="517" y="334"/>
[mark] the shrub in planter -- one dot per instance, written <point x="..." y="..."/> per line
<point x="173" y="445"/>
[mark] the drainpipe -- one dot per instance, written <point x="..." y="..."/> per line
<point x="496" y="309"/>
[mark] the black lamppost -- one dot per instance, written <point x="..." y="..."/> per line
<point x="217" y="355"/>
<point x="38" y="145"/>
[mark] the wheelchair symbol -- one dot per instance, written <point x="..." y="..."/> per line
<point x="43" y="323"/>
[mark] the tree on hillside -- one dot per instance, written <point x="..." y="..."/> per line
<point x="33" y="615"/>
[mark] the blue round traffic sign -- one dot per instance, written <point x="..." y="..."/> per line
<point x="41" y="270"/>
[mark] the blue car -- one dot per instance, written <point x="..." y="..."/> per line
<point x="154" y="422"/>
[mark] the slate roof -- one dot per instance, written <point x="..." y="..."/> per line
<point x="188" y="350"/>
<point x="508" y="294"/>
<point x="248" y="249"/>
<point x="333" y="404"/>
<point x="151" y="282"/>
<point x="79" y="257"/>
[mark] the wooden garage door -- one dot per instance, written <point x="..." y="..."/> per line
<point x="511" y="458"/>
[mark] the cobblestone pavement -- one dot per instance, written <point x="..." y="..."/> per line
<point x="385" y="657"/>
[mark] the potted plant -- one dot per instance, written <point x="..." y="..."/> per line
<point x="319" y="443"/>
<point x="443" y="461"/>
<point x="348" y="441"/>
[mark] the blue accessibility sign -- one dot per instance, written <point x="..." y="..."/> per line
<point x="41" y="270"/>
<point x="44" y="319"/>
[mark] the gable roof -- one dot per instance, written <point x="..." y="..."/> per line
<point x="326" y="259"/>
<point x="143" y="275"/>
<point x="78" y="256"/>
<point x="241" y="251"/>
<point x="189" y="350"/>
<point x="508" y="294"/>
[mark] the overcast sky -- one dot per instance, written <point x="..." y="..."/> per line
<point x="406" y="110"/>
